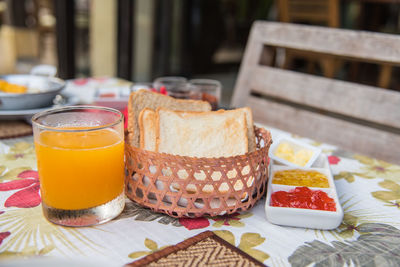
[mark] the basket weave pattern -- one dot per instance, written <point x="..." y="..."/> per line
<point x="194" y="187"/>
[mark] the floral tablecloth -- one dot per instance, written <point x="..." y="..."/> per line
<point x="368" y="189"/>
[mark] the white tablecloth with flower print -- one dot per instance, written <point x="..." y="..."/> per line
<point x="368" y="189"/>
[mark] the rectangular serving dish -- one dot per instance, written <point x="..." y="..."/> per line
<point x="307" y="218"/>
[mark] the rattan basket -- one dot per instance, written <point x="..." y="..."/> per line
<point x="194" y="187"/>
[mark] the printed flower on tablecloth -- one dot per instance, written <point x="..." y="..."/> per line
<point x="194" y="223"/>
<point x="348" y="226"/>
<point x="4" y="235"/>
<point x="151" y="245"/>
<point x="20" y="150"/>
<point x="231" y="219"/>
<point x="28" y="196"/>
<point x="247" y="243"/>
<point x="374" y="168"/>
<point x="12" y="174"/>
<point x="391" y="197"/>
<point x="333" y="160"/>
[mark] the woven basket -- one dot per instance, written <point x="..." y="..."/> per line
<point x="194" y="187"/>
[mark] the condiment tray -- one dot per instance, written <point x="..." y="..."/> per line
<point x="301" y="217"/>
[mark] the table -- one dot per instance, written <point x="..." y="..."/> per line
<point x="368" y="189"/>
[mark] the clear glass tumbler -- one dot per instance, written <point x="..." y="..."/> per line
<point x="80" y="156"/>
<point x="175" y="86"/>
<point x="210" y="90"/>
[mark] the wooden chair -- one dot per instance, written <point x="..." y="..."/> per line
<point x="322" y="13"/>
<point x="356" y="117"/>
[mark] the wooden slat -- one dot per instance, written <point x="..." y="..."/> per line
<point x="350" y="99"/>
<point x="251" y="57"/>
<point x="378" y="47"/>
<point x="356" y="138"/>
<point x="309" y="17"/>
<point x="308" y="3"/>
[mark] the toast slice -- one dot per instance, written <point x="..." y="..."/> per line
<point x="147" y="99"/>
<point x="147" y="128"/>
<point x="250" y="128"/>
<point x="201" y="134"/>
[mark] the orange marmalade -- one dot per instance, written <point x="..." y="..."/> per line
<point x="299" y="177"/>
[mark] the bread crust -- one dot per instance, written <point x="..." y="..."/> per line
<point x="250" y="129"/>
<point x="147" y="128"/>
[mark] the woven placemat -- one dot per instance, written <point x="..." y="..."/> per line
<point x="204" y="249"/>
<point x="10" y="129"/>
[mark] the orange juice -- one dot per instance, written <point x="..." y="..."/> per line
<point x="80" y="170"/>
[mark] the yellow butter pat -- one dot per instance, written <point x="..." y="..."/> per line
<point x="286" y="152"/>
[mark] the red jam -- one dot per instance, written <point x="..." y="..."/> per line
<point x="303" y="198"/>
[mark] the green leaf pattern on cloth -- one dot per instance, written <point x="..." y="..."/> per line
<point x="378" y="243"/>
<point x="392" y="196"/>
<point x="20" y="157"/>
<point x="348" y="176"/>
<point x="348" y="226"/>
<point x="151" y="245"/>
<point x="26" y="252"/>
<point x="139" y="213"/>
<point x="20" y="150"/>
<point x="231" y="220"/>
<point x="247" y="243"/>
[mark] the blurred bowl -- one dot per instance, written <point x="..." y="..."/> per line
<point x="41" y="92"/>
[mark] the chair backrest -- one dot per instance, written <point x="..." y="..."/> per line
<point x="321" y="12"/>
<point x="356" y="117"/>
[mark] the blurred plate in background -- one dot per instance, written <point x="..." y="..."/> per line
<point x="40" y="92"/>
<point x="28" y="113"/>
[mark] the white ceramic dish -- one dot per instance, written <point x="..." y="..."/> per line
<point x="296" y="145"/>
<point x="41" y="92"/>
<point x="28" y="113"/>
<point x="307" y="218"/>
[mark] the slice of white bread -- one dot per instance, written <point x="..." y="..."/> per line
<point x="202" y="134"/>
<point x="147" y="99"/>
<point x="147" y="128"/>
<point x="250" y="128"/>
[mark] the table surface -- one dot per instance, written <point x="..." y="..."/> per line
<point x="368" y="190"/>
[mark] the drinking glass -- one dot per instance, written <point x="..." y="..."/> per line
<point x="80" y="156"/>
<point x="210" y="91"/>
<point x="176" y="87"/>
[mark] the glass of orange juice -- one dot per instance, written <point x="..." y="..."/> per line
<point x="80" y="156"/>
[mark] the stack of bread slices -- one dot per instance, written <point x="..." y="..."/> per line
<point x="164" y="124"/>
